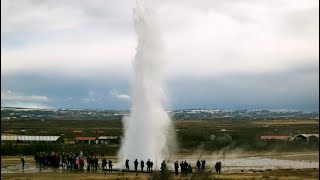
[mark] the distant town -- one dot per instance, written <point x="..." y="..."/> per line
<point x="187" y="114"/>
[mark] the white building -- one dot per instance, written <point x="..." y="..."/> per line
<point x="28" y="139"/>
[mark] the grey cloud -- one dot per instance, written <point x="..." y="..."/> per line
<point x="25" y="15"/>
<point x="294" y="88"/>
<point x="291" y="89"/>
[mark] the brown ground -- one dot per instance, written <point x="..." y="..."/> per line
<point x="275" y="174"/>
<point x="247" y="174"/>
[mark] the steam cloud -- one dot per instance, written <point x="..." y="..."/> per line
<point x="148" y="128"/>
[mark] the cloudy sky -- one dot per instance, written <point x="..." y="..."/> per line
<point x="236" y="54"/>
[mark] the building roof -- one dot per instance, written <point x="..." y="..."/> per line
<point x="85" y="138"/>
<point x="107" y="137"/>
<point x="28" y="138"/>
<point x="275" y="137"/>
<point x="309" y="135"/>
<point x="77" y="131"/>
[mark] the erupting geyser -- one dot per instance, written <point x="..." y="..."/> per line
<point x="147" y="129"/>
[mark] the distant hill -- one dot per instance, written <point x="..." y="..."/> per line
<point x="187" y="114"/>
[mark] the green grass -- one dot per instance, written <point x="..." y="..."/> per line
<point x="191" y="135"/>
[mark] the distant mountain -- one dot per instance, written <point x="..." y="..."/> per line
<point x="187" y="114"/>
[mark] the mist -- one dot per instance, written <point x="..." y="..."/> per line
<point x="147" y="129"/>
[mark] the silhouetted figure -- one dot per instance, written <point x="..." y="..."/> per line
<point x="41" y="161"/>
<point x="176" y="167"/>
<point x="96" y="163"/>
<point x="189" y="169"/>
<point x="151" y="165"/>
<point x="110" y="165"/>
<point x="216" y="166"/>
<point x="182" y="167"/>
<point x="163" y="167"/>
<point x="104" y="165"/>
<point x="148" y="165"/>
<point x="36" y="158"/>
<point x="185" y="168"/>
<point x="203" y="164"/>
<point x="127" y="164"/>
<point x="22" y="161"/>
<point x="136" y="165"/>
<point x="142" y="165"/>
<point x="198" y="165"/>
<point x="102" y="155"/>
<point x="88" y="164"/>
<point x="219" y="167"/>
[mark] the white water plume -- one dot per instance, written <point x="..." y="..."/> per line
<point x="147" y="131"/>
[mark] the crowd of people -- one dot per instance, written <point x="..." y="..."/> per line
<point x="78" y="161"/>
<point x="185" y="168"/>
<point x="43" y="159"/>
<point x="136" y="163"/>
<point x="70" y="161"/>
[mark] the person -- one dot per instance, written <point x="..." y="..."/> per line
<point x="22" y="161"/>
<point x="110" y="165"/>
<point x="96" y="163"/>
<point x="104" y="165"/>
<point x="219" y="167"/>
<point x="41" y="161"/>
<point x="81" y="163"/>
<point x="189" y="169"/>
<point x="182" y="167"/>
<point x="36" y="158"/>
<point x="151" y="165"/>
<point x="136" y="165"/>
<point x="148" y="165"/>
<point x="163" y="166"/>
<point x="77" y="164"/>
<point x="88" y="163"/>
<point x="127" y="164"/>
<point x="216" y="167"/>
<point x="102" y="155"/>
<point x="176" y="167"/>
<point x="185" y="166"/>
<point x="142" y="164"/>
<point x="203" y="164"/>
<point x="198" y="165"/>
<point x="63" y="157"/>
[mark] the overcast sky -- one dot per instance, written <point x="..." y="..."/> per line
<point x="235" y="54"/>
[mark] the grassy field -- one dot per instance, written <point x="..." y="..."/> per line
<point x="192" y="135"/>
